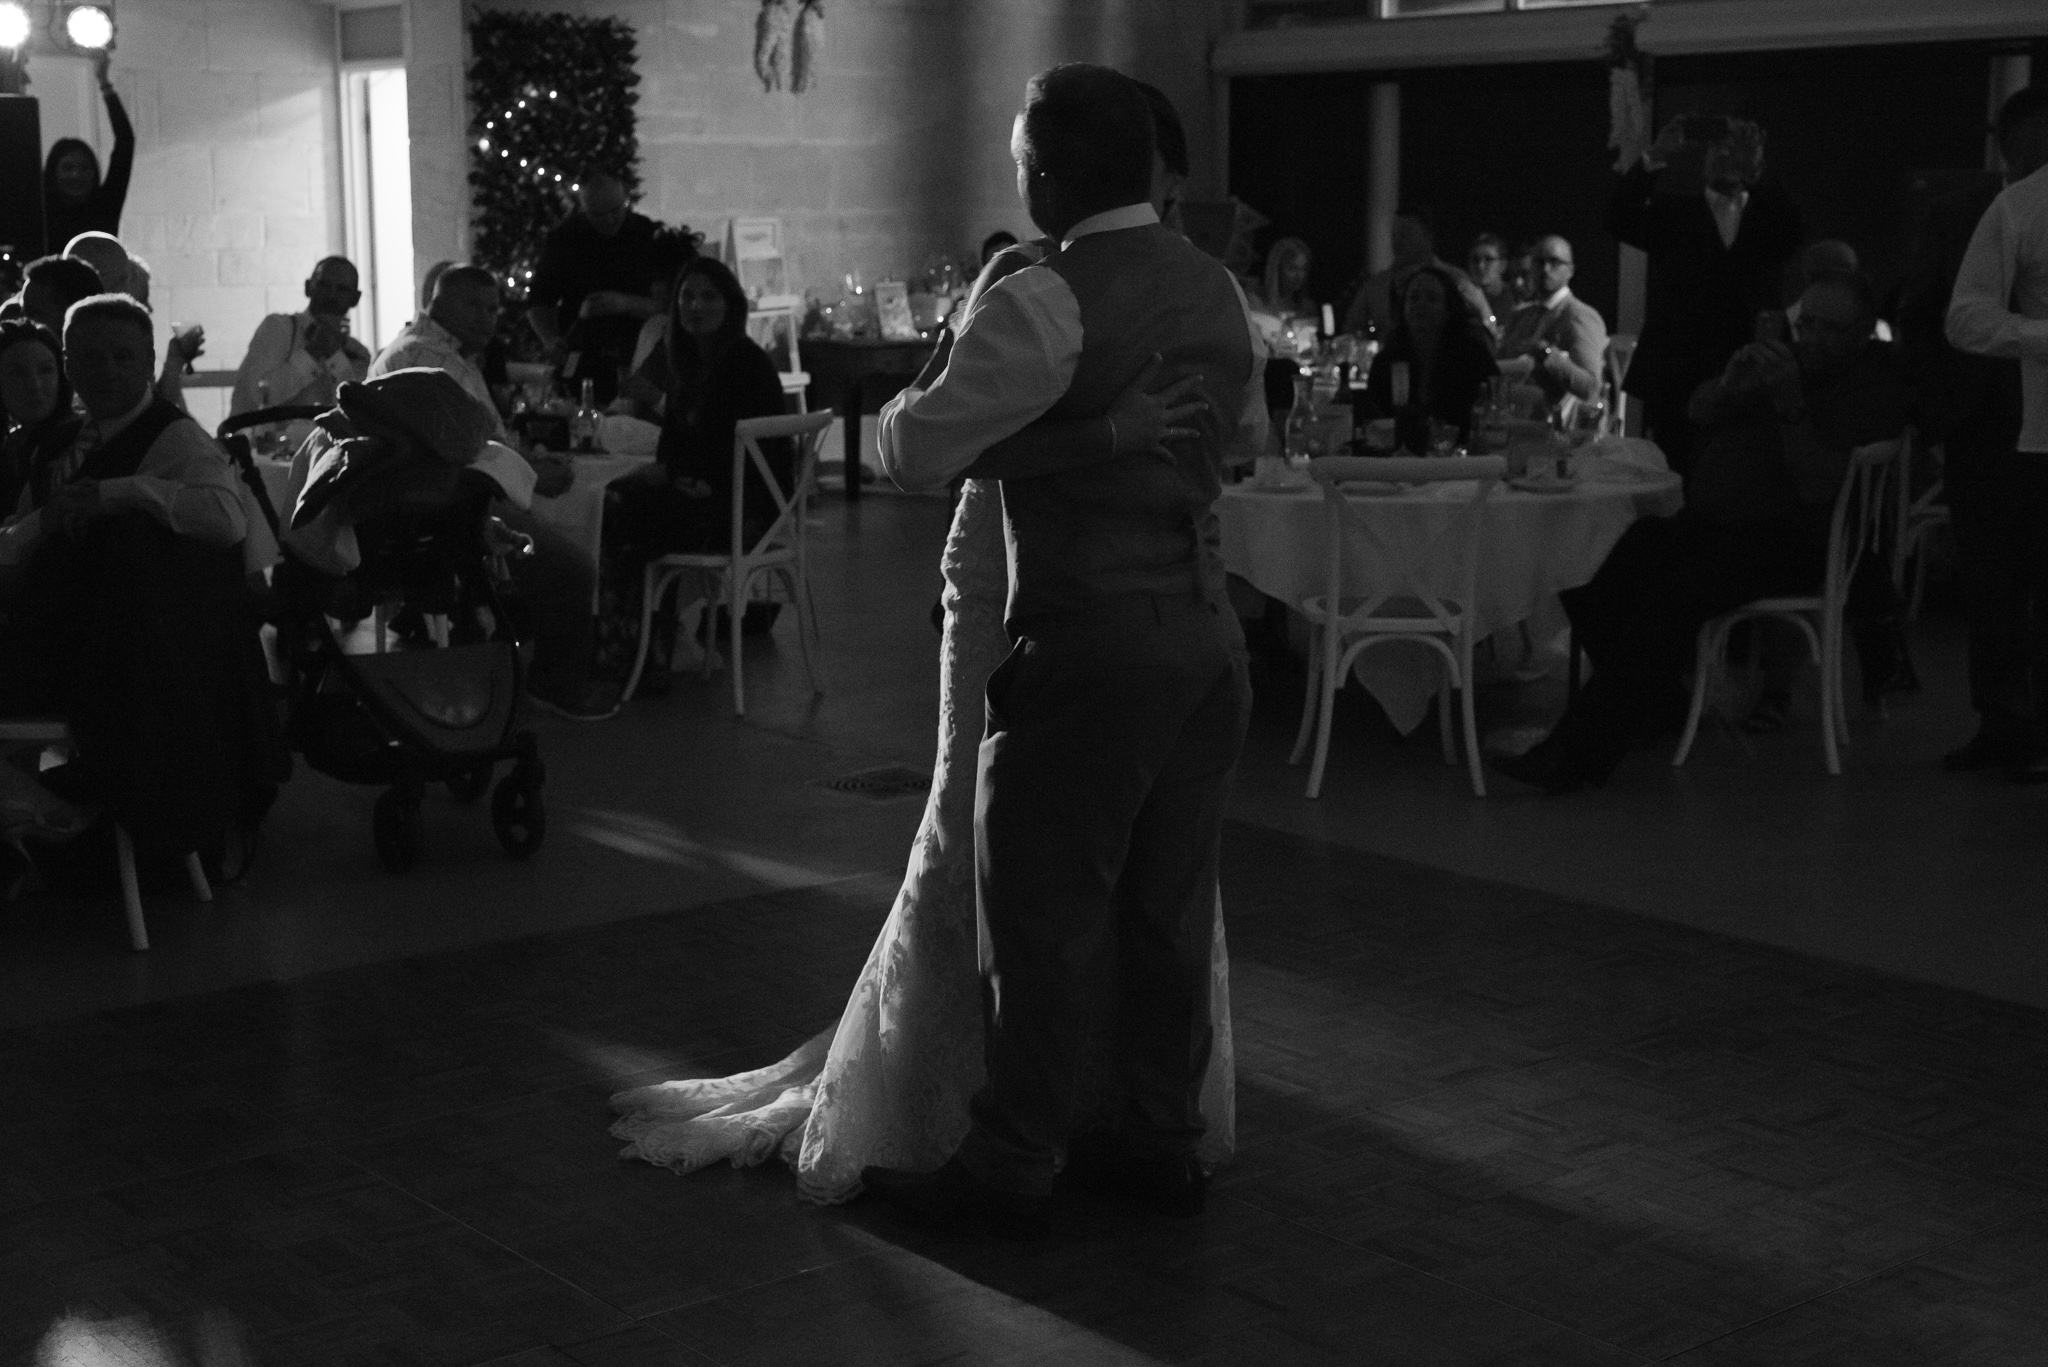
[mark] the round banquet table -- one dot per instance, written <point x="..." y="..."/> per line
<point x="1534" y="545"/>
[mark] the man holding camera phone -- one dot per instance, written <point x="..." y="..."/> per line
<point x="1716" y="254"/>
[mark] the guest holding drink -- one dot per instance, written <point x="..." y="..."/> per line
<point x="1558" y="343"/>
<point x="1438" y="355"/>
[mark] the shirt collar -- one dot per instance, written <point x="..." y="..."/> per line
<point x="1740" y="199"/>
<point x="113" y="427"/>
<point x="1564" y="292"/>
<point x="1109" y="221"/>
<point x="425" y="329"/>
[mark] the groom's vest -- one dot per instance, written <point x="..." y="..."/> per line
<point x="1134" y="526"/>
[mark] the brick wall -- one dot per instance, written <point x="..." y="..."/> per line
<point x="901" y="148"/>
<point x="235" y="191"/>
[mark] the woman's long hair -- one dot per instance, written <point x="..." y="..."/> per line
<point x="18" y="330"/>
<point x="1459" y="320"/>
<point x="1276" y="258"/>
<point x="688" y="361"/>
<point x="60" y="149"/>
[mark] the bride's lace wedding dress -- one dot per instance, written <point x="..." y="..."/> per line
<point x="889" y="1084"/>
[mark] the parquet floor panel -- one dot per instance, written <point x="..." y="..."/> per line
<point x="1478" y="1125"/>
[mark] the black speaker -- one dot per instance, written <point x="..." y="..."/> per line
<point x="21" y="171"/>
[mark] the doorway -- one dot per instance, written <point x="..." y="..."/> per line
<point x="377" y="199"/>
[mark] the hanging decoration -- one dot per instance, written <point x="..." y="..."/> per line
<point x="549" y="95"/>
<point x="789" y="44"/>
<point x="1628" y="89"/>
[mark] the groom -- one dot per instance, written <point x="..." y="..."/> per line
<point x="1116" y="720"/>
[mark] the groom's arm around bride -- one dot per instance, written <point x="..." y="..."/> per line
<point x="1115" y="722"/>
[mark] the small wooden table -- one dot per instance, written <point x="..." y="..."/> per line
<point x="857" y="375"/>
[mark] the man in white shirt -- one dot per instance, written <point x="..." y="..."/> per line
<point x="1559" y="342"/>
<point x="136" y="452"/>
<point x="302" y="358"/>
<point x="557" y="578"/>
<point x="459" y="323"/>
<point x="2000" y="309"/>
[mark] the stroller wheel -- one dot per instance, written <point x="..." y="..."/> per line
<point x="471" y="783"/>
<point x="517" y="814"/>
<point x="398" y="830"/>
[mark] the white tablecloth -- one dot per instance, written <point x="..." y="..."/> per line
<point x="578" y="511"/>
<point x="1534" y="546"/>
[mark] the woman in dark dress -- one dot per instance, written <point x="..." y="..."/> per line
<point x="1444" y="348"/>
<point x="76" y="199"/>
<point x="683" y="502"/>
<point x="35" y="411"/>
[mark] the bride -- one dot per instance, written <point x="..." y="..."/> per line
<point x="888" y="1086"/>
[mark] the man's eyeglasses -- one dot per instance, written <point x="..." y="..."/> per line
<point x="1551" y="260"/>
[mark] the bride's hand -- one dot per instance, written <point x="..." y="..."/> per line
<point x="1146" y="418"/>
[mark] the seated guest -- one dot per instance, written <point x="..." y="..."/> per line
<point x="684" y="502"/>
<point x="1283" y="289"/>
<point x="1558" y="343"/>
<point x="643" y="393"/>
<point x="1441" y="346"/>
<point x="1378" y="300"/>
<point x="302" y="358"/>
<point x="50" y="285"/>
<point x="134" y="452"/>
<point x="35" y="409"/>
<point x="558" y="579"/>
<point x="995" y="242"/>
<point x="589" y="292"/>
<point x="1486" y="261"/>
<point x="1776" y="428"/>
<point x="453" y="334"/>
<point x="81" y="275"/>
<point x="1819" y="260"/>
<point x="1518" y="278"/>
<point x="122" y="600"/>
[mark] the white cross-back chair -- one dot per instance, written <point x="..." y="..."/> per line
<point x="1346" y="620"/>
<point x="1855" y="526"/>
<point x="48" y="731"/>
<point x="776" y="559"/>
<point x="1919" y="518"/>
<point x="774" y="322"/>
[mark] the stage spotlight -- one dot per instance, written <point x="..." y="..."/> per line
<point x="14" y="25"/>
<point x="89" y="27"/>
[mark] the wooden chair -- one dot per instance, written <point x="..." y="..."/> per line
<point x="1919" y="518"/>
<point x="776" y="558"/>
<point x="45" y="731"/>
<point x="1341" y="625"/>
<point x="1856" y="525"/>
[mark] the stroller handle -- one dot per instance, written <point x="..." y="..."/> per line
<point x="257" y="417"/>
<point x="237" y="448"/>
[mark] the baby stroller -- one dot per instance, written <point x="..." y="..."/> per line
<point x="446" y="708"/>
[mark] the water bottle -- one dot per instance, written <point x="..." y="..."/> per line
<point x="583" y="424"/>
<point x="1300" y="417"/>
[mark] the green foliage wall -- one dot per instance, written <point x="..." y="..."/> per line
<point x="549" y="95"/>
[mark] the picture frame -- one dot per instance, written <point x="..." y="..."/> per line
<point x="892" y="310"/>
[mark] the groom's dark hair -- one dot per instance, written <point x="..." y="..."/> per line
<point x="1090" y="129"/>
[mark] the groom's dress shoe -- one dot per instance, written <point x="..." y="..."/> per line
<point x="1174" y="1187"/>
<point x="952" y="1198"/>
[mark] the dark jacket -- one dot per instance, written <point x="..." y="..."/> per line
<point x="1752" y="469"/>
<point x="697" y="430"/>
<point x="1702" y="298"/>
<point x="1463" y="366"/>
<point x="29" y="453"/>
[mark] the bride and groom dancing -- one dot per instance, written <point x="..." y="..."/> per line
<point x="1051" y="985"/>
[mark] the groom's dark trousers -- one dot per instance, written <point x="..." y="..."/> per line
<point x="1111" y="739"/>
<point x="1113" y="725"/>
